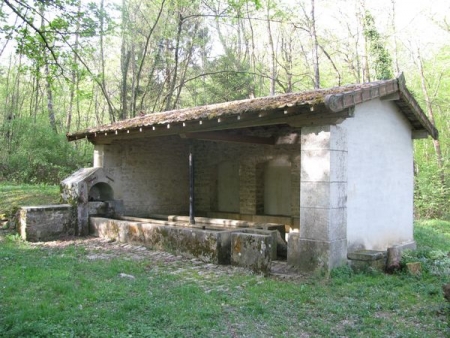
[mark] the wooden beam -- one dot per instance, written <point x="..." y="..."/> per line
<point x="225" y="136"/>
<point x="390" y="97"/>
<point x="301" y="117"/>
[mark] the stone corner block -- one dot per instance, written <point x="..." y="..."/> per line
<point x="316" y="256"/>
<point x="251" y="251"/>
<point x="273" y="243"/>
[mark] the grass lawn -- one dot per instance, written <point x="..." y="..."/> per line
<point x="12" y="196"/>
<point x="62" y="292"/>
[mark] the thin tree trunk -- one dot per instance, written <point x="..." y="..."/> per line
<point x="175" y="71"/>
<point x="397" y="68"/>
<point x="273" y="67"/>
<point x="48" y="87"/>
<point x="102" y="61"/>
<point x="48" y="83"/>
<point x="315" y="47"/>
<point x="125" y="61"/>
<point x="144" y="56"/>
<point x="332" y="63"/>
<point x="366" y="66"/>
<point x="125" y="56"/>
<point x="252" y="90"/>
<point x="186" y="65"/>
<point x="436" y="143"/>
<point x="74" y="73"/>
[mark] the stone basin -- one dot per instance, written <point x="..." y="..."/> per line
<point x="208" y="241"/>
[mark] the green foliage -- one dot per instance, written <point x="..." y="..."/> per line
<point x="433" y="238"/>
<point x="432" y="188"/>
<point x="435" y="262"/>
<point x="231" y="82"/>
<point x="431" y="197"/>
<point x="38" y="154"/>
<point x="378" y="51"/>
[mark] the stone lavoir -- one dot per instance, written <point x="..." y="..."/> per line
<point x="318" y="177"/>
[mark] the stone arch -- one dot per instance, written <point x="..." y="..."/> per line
<point x="101" y="191"/>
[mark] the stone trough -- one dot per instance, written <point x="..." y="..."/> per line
<point x="217" y="241"/>
<point x="91" y="208"/>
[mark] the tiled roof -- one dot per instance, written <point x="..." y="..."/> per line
<point x="269" y="110"/>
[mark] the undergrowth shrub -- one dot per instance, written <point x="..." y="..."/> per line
<point x="431" y="194"/>
<point x="37" y="154"/>
<point x="435" y="262"/>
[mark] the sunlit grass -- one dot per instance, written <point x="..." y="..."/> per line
<point x="12" y="196"/>
<point x="48" y="292"/>
<point x="433" y="234"/>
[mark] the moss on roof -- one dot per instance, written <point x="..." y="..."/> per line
<point x="237" y="108"/>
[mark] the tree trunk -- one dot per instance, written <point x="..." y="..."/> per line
<point x="48" y="81"/>
<point x="124" y="62"/>
<point x="397" y="68"/>
<point x="102" y="61"/>
<point x="175" y="70"/>
<point x="430" y="113"/>
<point x="187" y="61"/>
<point x="273" y="66"/>
<point x="74" y="73"/>
<point x="394" y="256"/>
<point x="142" y="61"/>
<point x="315" y="47"/>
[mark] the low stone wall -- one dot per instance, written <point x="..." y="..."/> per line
<point x="46" y="222"/>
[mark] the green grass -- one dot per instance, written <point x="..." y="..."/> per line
<point x="12" y="196"/>
<point x="49" y="292"/>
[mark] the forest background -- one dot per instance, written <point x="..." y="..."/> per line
<point x="66" y="65"/>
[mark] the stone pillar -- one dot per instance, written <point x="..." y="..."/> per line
<point x="321" y="243"/>
<point x="99" y="151"/>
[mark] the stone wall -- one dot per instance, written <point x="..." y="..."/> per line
<point x="46" y="222"/>
<point x="252" y="161"/>
<point x="151" y="174"/>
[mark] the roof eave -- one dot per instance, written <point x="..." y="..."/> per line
<point x="331" y="106"/>
<point x="415" y="108"/>
<point x="384" y="89"/>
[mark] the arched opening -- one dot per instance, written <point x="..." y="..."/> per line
<point x="101" y="192"/>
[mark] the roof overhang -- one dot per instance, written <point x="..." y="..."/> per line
<point x="318" y="107"/>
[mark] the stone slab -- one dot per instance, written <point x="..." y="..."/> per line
<point x="364" y="260"/>
<point x="367" y="255"/>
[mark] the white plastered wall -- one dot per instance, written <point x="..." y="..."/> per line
<point x="380" y="177"/>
